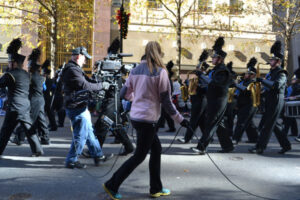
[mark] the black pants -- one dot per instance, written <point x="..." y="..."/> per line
<point x="50" y="115"/>
<point x="290" y="122"/>
<point x="165" y="117"/>
<point x="215" y="123"/>
<point x="197" y="116"/>
<point x="40" y="126"/>
<point x="230" y="115"/>
<point x="245" y="123"/>
<point x="147" y="139"/>
<point x="270" y="124"/>
<point x="9" y="124"/>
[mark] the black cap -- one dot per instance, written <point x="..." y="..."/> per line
<point x="82" y="51"/>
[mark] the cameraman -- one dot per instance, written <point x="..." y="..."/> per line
<point x="75" y="80"/>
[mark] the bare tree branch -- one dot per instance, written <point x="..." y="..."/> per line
<point x="189" y="10"/>
<point x="295" y="20"/>
<point x="24" y="10"/>
<point x="275" y="15"/>
<point x="46" y="7"/>
<point x="171" y="11"/>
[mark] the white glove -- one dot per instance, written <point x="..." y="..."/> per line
<point x="105" y="85"/>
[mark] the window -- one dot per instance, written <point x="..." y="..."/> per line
<point x="205" y="6"/>
<point x="116" y="3"/>
<point x="154" y="4"/>
<point x="236" y="7"/>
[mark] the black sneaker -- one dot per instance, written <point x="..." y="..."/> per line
<point x="256" y="150"/>
<point x="227" y="150"/>
<point x="103" y="158"/>
<point x="198" y="151"/>
<point x="16" y="141"/>
<point x="77" y="164"/>
<point x="45" y="142"/>
<point x="182" y="140"/>
<point x="125" y="153"/>
<point x="171" y="130"/>
<point x="283" y="150"/>
<point x="37" y="154"/>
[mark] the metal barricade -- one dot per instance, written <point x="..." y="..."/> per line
<point x="292" y="109"/>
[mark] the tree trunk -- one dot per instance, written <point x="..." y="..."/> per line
<point x="53" y="38"/>
<point x="178" y="39"/>
<point x="53" y="41"/>
<point x="287" y="40"/>
<point x="287" y="66"/>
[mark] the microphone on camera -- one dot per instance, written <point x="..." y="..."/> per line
<point x="121" y="55"/>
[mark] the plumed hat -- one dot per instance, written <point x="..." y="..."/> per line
<point x="12" y="51"/>
<point x="218" y="52"/>
<point x="251" y="65"/>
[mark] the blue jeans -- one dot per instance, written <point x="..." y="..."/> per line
<point x="82" y="133"/>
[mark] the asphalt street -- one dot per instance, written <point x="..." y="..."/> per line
<point x="187" y="175"/>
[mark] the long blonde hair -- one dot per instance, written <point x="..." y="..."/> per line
<point x="154" y="56"/>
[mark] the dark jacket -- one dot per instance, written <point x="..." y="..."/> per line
<point x="75" y="80"/>
<point x="17" y="81"/>
<point x="244" y="97"/>
<point x="221" y="80"/>
<point x="277" y="75"/>
<point x="36" y="94"/>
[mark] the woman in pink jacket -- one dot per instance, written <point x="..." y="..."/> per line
<point x="147" y="87"/>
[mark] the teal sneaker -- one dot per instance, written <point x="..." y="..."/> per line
<point x="112" y="195"/>
<point x="163" y="192"/>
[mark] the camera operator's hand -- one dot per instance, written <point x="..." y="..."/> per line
<point x="185" y="123"/>
<point x="105" y="85"/>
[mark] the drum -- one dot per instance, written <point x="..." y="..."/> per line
<point x="292" y="109"/>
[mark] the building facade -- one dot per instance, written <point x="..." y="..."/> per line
<point x="247" y="34"/>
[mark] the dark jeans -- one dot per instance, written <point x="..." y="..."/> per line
<point x="147" y="139"/>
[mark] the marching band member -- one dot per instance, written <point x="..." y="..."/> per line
<point x="275" y="83"/>
<point x="218" y="81"/>
<point x="198" y="101"/>
<point x="246" y="110"/>
<point x="17" y="80"/>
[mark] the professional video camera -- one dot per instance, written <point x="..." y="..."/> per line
<point x="111" y="70"/>
<point x="113" y="64"/>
